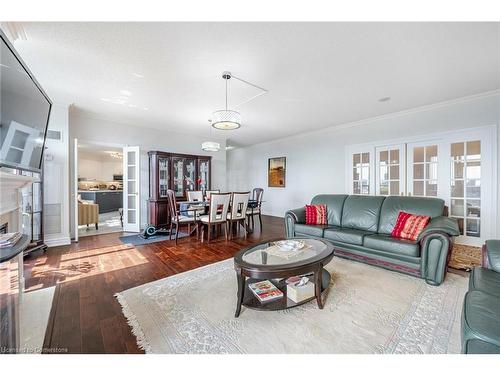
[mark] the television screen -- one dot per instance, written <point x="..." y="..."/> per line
<point x="24" y="112"/>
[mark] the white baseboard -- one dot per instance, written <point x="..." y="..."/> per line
<point x="56" y="241"/>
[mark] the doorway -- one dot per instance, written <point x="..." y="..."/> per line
<point x="99" y="189"/>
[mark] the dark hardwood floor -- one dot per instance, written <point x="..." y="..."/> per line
<point x="85" y="315"/>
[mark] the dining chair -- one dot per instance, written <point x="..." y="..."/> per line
<point x="217" y="214"/>
<point x="209" y="192"/>
<point x="237" y="213"/>
<point x="177" y="219"/>
<point x="256" y="206"/>
<point x="196" y="196"/>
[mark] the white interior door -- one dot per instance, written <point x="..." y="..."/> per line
<point x="390" y="174"/>
<point x="426" y="169"/>
<point x="75" y="187"/>
<point x="131" y="189"/>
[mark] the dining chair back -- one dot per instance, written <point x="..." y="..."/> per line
<point x="195" y="196"/>
<point x="219" y="206"/>
<point x="239" y="205"/>
<point x="177" y="220"/>
<point x="209" y="192"/>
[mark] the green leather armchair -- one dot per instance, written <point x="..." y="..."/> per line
<point x="481" y="308"/>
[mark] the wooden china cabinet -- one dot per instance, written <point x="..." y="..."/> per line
<point x="179" y="172"/>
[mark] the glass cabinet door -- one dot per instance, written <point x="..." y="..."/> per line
<point x="178" y="169"/>
<point x="190" y="174"/>
<point x="203" y="174"/>
<point x="163" y="177"/>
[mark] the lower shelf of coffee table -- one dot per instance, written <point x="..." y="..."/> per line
<point x="250" y="301"/>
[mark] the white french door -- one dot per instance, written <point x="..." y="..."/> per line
<point x="131" y="189"/>
<point x="459" y="167"/>
<point x="390" y="170"/>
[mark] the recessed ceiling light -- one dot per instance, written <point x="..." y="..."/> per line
<point x="125" y="92"/>
<point x="384" y="99"/>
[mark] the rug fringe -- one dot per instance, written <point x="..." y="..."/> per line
<point x="142" y="343"/>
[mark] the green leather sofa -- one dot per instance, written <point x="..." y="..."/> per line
<point x="481" y="309"/>
<point x="360" y="228"/>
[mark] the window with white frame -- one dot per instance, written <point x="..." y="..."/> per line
<point x="361" y="173"/>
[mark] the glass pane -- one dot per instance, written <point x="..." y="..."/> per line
<point x="179" y="177"/>
<point x="384" y="156"/>
<point x="418" y="188"/>
<point x="431" y="188"/>
<point x="131" y="201"/>
<point x="131" y="158"/>
<point x="394" y="172"/>
<point x="365" y="173"/>
<point x="473" y="228"/>
<point x="365" y="188"/>
<point x="457" y="188"/>
<point x="418" y="171"/>
<point x="131" y="216"/>
<point x="473" y="170"/>
<point x="355" y="187"/>
<point x="457" y="169"/>
<point x="418" y="154"/>
<point x="131" y="173"/>
<point x="473" y="150"/>
<point x="356" y="159"/>
<point x="473" y="208"/>
<point x="355" y="174"/>
<point x="384" y="188"/>
<point x="365" y="158"/>
<point x="131" y="187"/>
<point x="383" y="173"/>
<point x="461" y="226"/>
<point x="457" y="150"/>
<point x="431" y="171"/>
<point x="203" y="173"/>
<point x="457" y="207"/>
<point x="473" y="189"/>
<point x="394" y="188"/>
<point x="431" y="153"/>
<point x="190" y="175"/>
<point x="394" y="157"/>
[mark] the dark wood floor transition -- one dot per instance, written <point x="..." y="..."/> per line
<point x="85" y="315"/>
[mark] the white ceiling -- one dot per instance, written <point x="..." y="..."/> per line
<point x="317" y="74"/>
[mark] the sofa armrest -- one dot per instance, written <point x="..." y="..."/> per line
<point x="491" y="255"/>
<point x="292" y="217"/>
<point x="441" y="224"/>
<point x="435" y="252"/>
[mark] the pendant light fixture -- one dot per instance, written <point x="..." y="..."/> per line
<point x="210" y="146"/>
<point x="226" y="119"/>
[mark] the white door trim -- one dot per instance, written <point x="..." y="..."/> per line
<point x="136" y="194"/>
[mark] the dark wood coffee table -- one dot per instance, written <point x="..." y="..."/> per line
<point x="263" y="262"/>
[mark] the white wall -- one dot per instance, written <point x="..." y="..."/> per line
<point x="55" y="185"/>
<point x="316" y="160"/>
<point x="91" y="130"/>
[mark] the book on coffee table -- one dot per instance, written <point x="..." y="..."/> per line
<point x="265" y="291"/>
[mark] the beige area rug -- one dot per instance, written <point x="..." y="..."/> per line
<point x="367" y="310"/>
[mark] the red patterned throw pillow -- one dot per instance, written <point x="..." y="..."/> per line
<point x="316" y="214"/>
<point x="409" y="226"/>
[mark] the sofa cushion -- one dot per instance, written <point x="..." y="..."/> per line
<point x="409" y="226"/>
<point x="310" y="230"/>
<point x="362" y="212"/>
<point x="492" y="258"/>
<point x="393" y="204"/>
<point x="347" y="235"/>
<point x="481" y="317"/>
<point x="334" y="204"/>
<point x="316" y="214"/>
<point x="485" y="280"/>
<point x="393" y="245"/>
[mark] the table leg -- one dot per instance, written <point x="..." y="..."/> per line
<point x="318" y="278"/>
<point x="241" y="291"/>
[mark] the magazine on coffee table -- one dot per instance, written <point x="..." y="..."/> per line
<point x="265" y="291"/>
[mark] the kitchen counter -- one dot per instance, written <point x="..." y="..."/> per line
<point x="108" y="200"/>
